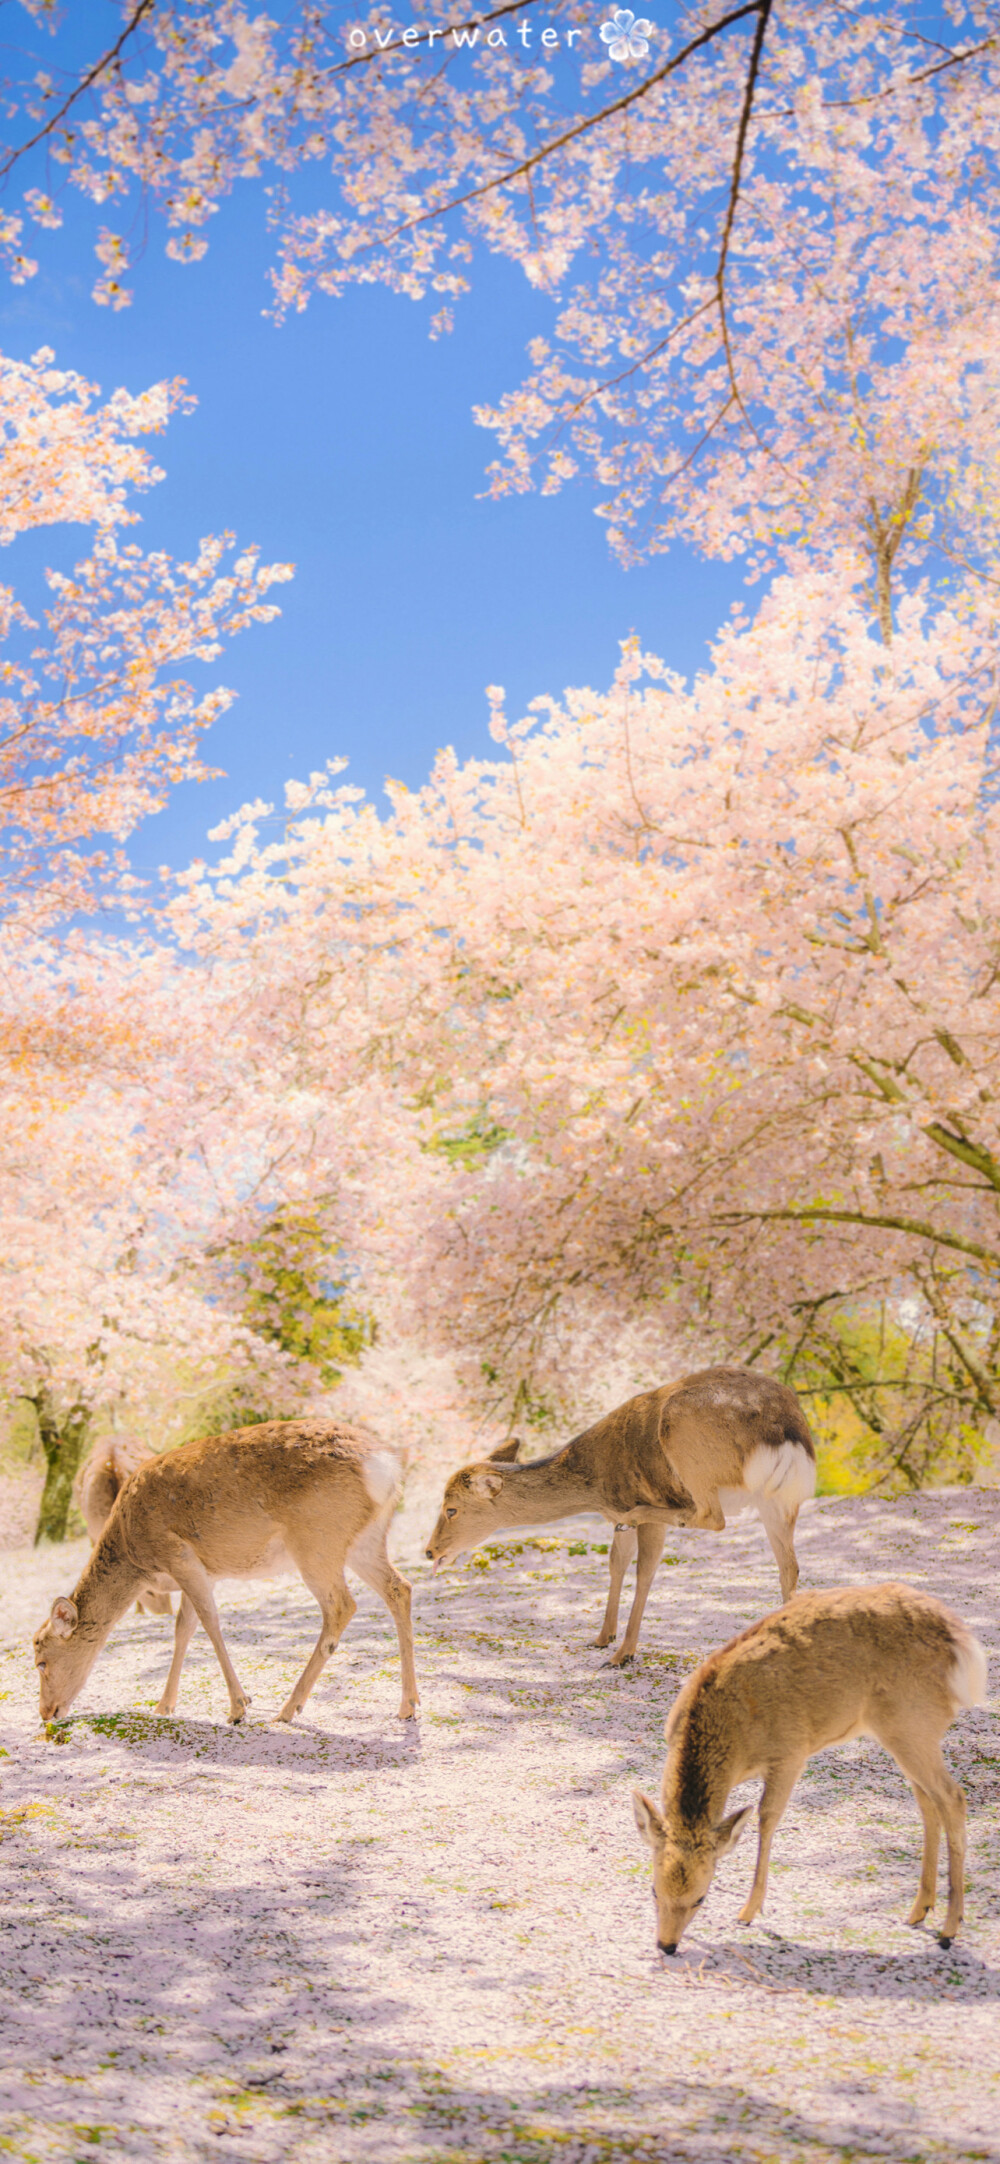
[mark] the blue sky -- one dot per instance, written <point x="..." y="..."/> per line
<point x="345" y="442"/>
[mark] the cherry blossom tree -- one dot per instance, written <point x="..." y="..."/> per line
<point x="96" y="726"/>
<point x="684" y="1011"/>
<point x="139" y="1276"/>
<point x="674" y="1026"/>
<point x="768" y="239"/>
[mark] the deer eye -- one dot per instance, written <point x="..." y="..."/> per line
<point x="451" y="1513"/>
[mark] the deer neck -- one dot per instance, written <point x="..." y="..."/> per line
<point x="109" y="1583"/>
<point x="536" y="1494"/>
<point x="705" y="1762"/>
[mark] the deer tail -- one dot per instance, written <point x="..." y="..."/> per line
<point x="968" y="1676"/>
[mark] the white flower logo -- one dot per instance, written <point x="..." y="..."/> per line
<point x="625" y="38"/>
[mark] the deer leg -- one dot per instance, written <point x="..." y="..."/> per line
<point x="927" y="1890"/>
<point x="950" y="1802"/>
<point x="650" y="1540"/>
<point x="708" y="1516"/>
<point x="779" y="1525"/>
<point x="193" y="1579"/>
<point x="337" y="1608"/>
<point x="924" y="1767"/>
<point x="623" y="1547"/>
<point x="368" y="1557"/>
<point x="184" y="1629"/>
<point x="150" y="1603"/>
<point x="778" y="1786"/>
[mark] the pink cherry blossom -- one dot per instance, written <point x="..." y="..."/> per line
<point x="679" y="1019"/>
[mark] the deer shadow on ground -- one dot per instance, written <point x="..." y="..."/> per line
<point x="778" y="1965"/>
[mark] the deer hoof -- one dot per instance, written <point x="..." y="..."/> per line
<point x="943" y="1941"/>
<point x="619" y="1660"/>
<point x="409" y="1709"/>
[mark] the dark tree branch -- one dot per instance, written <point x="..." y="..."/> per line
<point x="86" y="83"/>
<point x="582" y="127"/>
<point x="920" y="1230"/>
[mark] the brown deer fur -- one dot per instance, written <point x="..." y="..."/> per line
<point x="721" y="1440"/>
<point x="878" y="1661"/>
<point x="101" y="1476"/>
<point x="305" y="1494"/>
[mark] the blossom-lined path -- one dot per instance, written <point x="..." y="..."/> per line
<point x="364" y="1941"/>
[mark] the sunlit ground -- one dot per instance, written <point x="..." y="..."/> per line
<point x="365" y="1940"/>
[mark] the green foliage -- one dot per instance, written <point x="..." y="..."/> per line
<point x="292" y="1299"/>
<point x="531" y="1409"/>
<point x="230" y="1410"/>
<point x="22" y="1443"/>
<point x="64" y="1437"/>
<point x="890" y="1409"/>
<point x="477" y="1139"/>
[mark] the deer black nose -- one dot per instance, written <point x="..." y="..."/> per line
<point x="667" y="1949"/>
<point x="429" y="1553"/>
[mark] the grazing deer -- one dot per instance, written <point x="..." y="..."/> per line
<point x="878" y="1661"/>
<point x="723" y="1440"/>
<point x="100" y="1478"/>
<point x="309" y="1495"/>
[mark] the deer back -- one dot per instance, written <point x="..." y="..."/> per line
<point x="707" y="1426"/>
<point x="827" y="1666"/>
<point x="235" y="1498"/>
<point x="716" y="1422"/>
<point x="623" y="1460"/>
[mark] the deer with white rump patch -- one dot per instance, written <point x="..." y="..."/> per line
<point x="310" y="1495"/>
<point x="721" y="1441"/>
<point x="878" y="1661"/>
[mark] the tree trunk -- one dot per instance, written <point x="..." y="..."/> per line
<point x="883" y="592"/>
<point x="63" y="1441"/>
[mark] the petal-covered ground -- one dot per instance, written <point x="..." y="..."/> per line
<point x="360" y="1940"/>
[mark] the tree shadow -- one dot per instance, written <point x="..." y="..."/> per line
<point x="196" y="2018"/>
<point x="598" y="2122"/>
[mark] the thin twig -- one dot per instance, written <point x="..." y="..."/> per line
<point x="582" y="127"/>
<point x="107" y="60"/>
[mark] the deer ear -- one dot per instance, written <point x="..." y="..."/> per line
<point x="647" y="1818"/>
<point x="64" y="1616"/>
<point x="727" y="1835"/>
<point x="507" y="1453"/>
<point x="486" y="1485"/>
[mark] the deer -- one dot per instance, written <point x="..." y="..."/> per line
<point x="103" y="1473"/>
<point x="310" y="1494"/>
<point x="881" y="1661"/>
<point x="720" y="1441"/>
